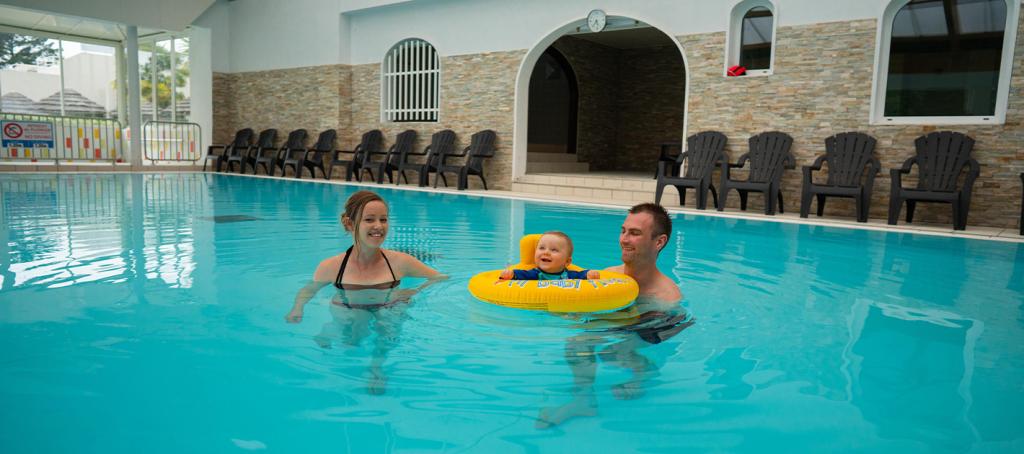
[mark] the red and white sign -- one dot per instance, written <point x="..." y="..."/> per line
<point x="27" y="134"/>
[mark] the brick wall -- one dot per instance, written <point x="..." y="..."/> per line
<point x="630" y="101"/>
<point x="650" y="106"/>
<point x="597" y="77"/>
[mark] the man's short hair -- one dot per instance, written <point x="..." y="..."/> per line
<point x="662" y="223"/>
<point x="563" y="236"/>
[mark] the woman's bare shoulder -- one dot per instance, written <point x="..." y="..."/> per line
<point x="328" y="268"/>
<point x="409" y="265"/>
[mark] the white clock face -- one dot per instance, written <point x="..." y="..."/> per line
<point x="596" y="20"/>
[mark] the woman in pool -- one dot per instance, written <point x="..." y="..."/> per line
<point x="367" y="278"/>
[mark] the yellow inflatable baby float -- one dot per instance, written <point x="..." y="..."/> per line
<point x="613" y="291"/>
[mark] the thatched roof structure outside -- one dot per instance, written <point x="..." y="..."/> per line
<point x="75" y="105"/>
<point x="14" y="102"/>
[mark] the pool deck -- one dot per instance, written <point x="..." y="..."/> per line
<point x="1011" y="235"/>
<point x="976" y="232"/>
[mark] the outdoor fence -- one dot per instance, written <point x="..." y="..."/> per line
<point x="172" y="141"/>
<point x="51" y="139"/>
<point x="41" y="138"/>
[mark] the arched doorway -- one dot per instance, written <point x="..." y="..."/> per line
<point x="554" y="100"/>
<point x="632" y="88"/>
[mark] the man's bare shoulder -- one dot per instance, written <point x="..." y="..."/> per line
<point x="616" y="269"/>
<point x="663" y="290"/>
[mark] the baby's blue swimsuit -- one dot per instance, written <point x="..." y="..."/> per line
<point x="537" y="275"/>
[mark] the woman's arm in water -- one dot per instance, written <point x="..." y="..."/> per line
<point x="321" y="278"/>
<point x="306" y="293"/>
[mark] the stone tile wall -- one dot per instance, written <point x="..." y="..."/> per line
<point x="821" y="86"/>
<point x="477" y="92"/>
<point x="313" y="98"/>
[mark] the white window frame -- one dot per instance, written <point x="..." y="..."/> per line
<point x="734" y="37"/>
<point x="881" y="73"/>
<point x="410" y="109"/>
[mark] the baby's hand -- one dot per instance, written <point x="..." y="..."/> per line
<point x="506" y="275"/>
<point x="593" y="274"/>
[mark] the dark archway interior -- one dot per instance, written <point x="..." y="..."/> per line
<point x="554" y="98"/>
<point x="631" y="92"/>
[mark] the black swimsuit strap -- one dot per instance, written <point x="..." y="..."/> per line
<point x="344" y="263"/>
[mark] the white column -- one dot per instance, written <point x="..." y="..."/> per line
<point x="122" y="89"/>
<point x="134" y="104"/>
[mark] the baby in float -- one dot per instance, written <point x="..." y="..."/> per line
<point x="552" y="257"/>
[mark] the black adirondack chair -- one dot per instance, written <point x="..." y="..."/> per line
<point x="769" y="156"/>
<point x="370" y="143"/>
<point x="265" y="143"/>
<point x="852" y="167"/>
<point x="295" y="144"/>
<point x="398" y="152"/>
<point x="441" y="143"/>
<point x="668" y="153"/>
<point x="940" y="157"/>
<point x="238" y="146"/>
<point x="704" y="151"/>
<point x="481" y="146"/>
<point x="314" y="158"/>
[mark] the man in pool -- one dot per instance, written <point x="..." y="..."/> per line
<point x="655" y="317"/>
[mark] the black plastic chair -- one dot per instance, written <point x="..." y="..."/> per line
<point x="296" y="143"/>
<point x="668" y="155"/>
<point x="481" y="146"/>
<point x="940" y="157"/>
<point x="704" y="151"/>
<point x="398" y="152"/>
<point x="237" y="146"/>
<point x="769" y="156"/>
<point x="314" y="158"/>
<point x="370" y="143"/>
<point x="441" y="143"/>
<point x="852" y="167"/>
<point x="265" y="143"/>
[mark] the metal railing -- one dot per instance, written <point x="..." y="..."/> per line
<point x="172" y="141"/>
<point x="74" y="139"/>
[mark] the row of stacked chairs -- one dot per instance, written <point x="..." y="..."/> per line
<point x="439" y="157"/>
<point x="941" y="158"/>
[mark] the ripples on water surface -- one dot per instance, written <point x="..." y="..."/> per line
<point x="133" y="321"/>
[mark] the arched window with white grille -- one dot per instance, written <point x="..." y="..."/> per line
<point x="411" y="82"/>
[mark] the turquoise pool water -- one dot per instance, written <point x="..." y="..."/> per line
<point x="144" y="313"/>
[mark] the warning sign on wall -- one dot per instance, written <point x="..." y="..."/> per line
<point x="27" y="134"/>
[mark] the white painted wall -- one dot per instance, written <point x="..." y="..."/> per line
<point x="275" y="34"/>
<point x="201" y="81"/>
<point x="465" y="27"/>
<point x="215" y="19"/>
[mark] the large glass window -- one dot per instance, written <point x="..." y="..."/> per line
<point x="164" y="74"/>
<point x="32" y="69"/>
<point x="756" y="39"/>
<point x="944" y="58"/>
<point x="411" y="82"/>
<point x="29" y="73"/>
